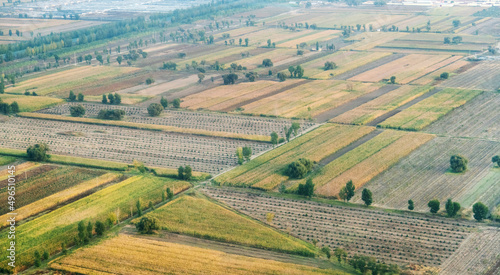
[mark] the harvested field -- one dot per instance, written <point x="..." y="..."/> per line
<point x="429" y="110"/>
<point x="393" y="238"/>
<point x="244" y="125"/>
<point x="476" y="255"/>
<point x="408" y="68"/>
<point x="366" y="161"/>
<point x="80" y="79"/>
<point x="345" y="61"/>
<point x="130" y="255"/>
<point x="266" y="171"/>
<point x="49" y="231"/>
<point x="31" y="103"/>
<point x="203" y="154"/>
<point x="369" y="40"/>
<point x="478" y="118"/>
<point x="430" y="165"/>
<point x="230" y="97"/>
<point x="311" y="39"/>
<point x="278" y="56"/>
<point x="381" y="105"/>
<point x="483" y="76"/>
<point x="453" y="69"/>
<point x="198" y="217"/>
<point x="44" y="181"/>
<point x="310" y="99"/>
<point x="438" y="46"/>
<point x="51" y="201"/>
<point x="369" y="66"/>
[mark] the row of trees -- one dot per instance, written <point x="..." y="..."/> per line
<point x="480" y="210"/>
<point x="72" y="97"/>
<point x="6" y="108"/>
<point x="113" y="99"/>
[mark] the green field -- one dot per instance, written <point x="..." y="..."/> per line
<point x="4" y="160"/>
<point x="31" y="103"/>
<point x="198" y="217"/>
<point x="49" y="231"/>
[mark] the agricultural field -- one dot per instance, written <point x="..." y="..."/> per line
<point x="476" y="119"/>
<point x="430" y="109"/>
<point x="245" y="125"/>
<point x="392" y="237"/>
<point x="44" y="181"/>
<point x="483" y="76"/>
<point x="266" y="171"/>
<point x="33" y="27"/>
<point x="89" y="80"/>
<point x="369" y="40"/>
<point x="366" y="161"/>
<point x="158" y="149"/>
<point x="381" y="105"/>
<point x="407" y="68"/>
<point x="196" y="216"/>
<point x="310" y="99"/>
<point x="5" y="160"/>
<point x="49" y="231"/>
<point x="345" y="61"/>
<point x="30" y="103"/>
<point x="127" y="255"/>
<point x="404" y="181"/>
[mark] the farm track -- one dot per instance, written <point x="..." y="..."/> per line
<point x="350" y="147"/>
<point x="236" y="249"/>
<point x="369" y="66"/>
<point x="235" y="106"/>
<point x="382" y="118"/>
<point x="326" y="116"/>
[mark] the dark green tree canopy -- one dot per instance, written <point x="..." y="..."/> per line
<point x="155" y="109"/>
<point x="77" y="111"/>
<point x="38" y="152"/>
<point x="458" y="163"/>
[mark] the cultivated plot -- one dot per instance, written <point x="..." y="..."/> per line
<point x="483" y="76"/>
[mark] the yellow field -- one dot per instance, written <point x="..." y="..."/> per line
<point x="345" y="61"/>
<point x="133" y="255"/>
<point x="60" y="197"/>
<point x="407" y="69"/>
<point x="381" y="105"/>
<point x="391" y="148"/>
<point x="198" y="217"/>
<point x="430" y="109"/>
<point x="258" y="36"/>
<point x="266" y="171"/>
<point x="28" y="25"/>
<point x="67" y="80"/>
<point x="310" y="99"/>
<point x="31" y="103"/>
<point x="221" y="97"/>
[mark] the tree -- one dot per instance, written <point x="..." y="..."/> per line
<point x="80" y="97"/>
<point x="45" y="255"/>
<point x="147" y="225"/>
<point x="456" y="39"/>
<point x="269" y="218"/>
<point x="340" y="254"/>
<point x="104" y="99"/>
<point x="452" y="208"/>
<point x="14" y="107"/>
<point x="2" y="85"/>
<point x="164" y="102"/>
<point x="444" y="75"/>
<point x="329" y="65"/>
<point x="72" y="96"/>
<point x="155" y="109"/>
<point x="298" y="169"/>
<point x="38" y="261"/>
<point x="99" y="58"/>
<point x="119" y="59"/>
<point x="247" y="152"/>
<point x="38" y="152"/>
<point x="230" y="78"/>
<point x="307" y="189"/>
<point x="139" y="207"/>
<point x="410" y="205"/>
<point x="201" y="76"/>
<point x="496" y="159"/>
<point x="118" y="99"/>
<point x="456" y="23"/>
<point x="188" y="172"/>
<point x="295" y="127"/>
<point x="281" y="76"/>
<point x="82" y="233"/>
<point x="434" y="206"/>
<point x="350" y="190"/>
<point x="77" y="111"/>
<point x="252" y="76"/>
<point x="180" y="172"/>
<point x="343" y="193"/>
<point x="149" y="81"/>
<point x="367" y="197"/>
<point x="170" y="194"/>
<point x="99" y="228"/>
<point x="458" y="163"/>
<point x="393" y="79"/>
<point x="111" y="114"/>
<point x="274" y="138"/>
<point x="4" y="108"/>
<point x="446" y="40"/>
<point x="176" y="103"/>
<point x="267" y="63"/>
<point x="90" y="229"/>
<point x="111" y="98"/>
<point x="246" y="42"/>
<point x="480" y="211"/>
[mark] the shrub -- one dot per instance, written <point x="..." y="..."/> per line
<point x="306" y="189"/>
<point x="410" y="205"/>
<point x="164" y="102"/>
<point x="496" y="159"/>
<point x="38" y="152"/>
<point x="434" y="206"/>
<point x="150" y="81"/>
<point x="176" y="103"/>
<point x="367" y="197"/>
<point x="458" y="163"/>
<point x="230" y="78"/>
<point x="115" y="114"/>
<point x="444" y="75"/>
<point x="329" y="65"/>
<point x="72" y="96"/>
<point x="298" y="169"/>
<point x="80" y="97"/>
<point x="281" y="76"/>
<point x="99" y="228"/>
<point x="452" y="208"/>
<point x="155" y="109"/>
<point x="480" y="211"/>
<point x="267" y="63"/>
<point x="147" y="225"/>
<point x="77" y="111"/>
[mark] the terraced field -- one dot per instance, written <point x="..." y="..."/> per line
<point x="394" y="238"/>
<point x="424" y="175"/>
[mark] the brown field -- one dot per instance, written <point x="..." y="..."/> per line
<point x="408" y="68"/>
<point x="310" y="99"/>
